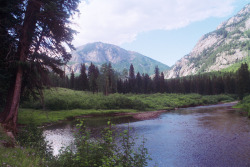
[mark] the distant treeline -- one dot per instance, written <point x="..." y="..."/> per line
<point x="108" y="81"/>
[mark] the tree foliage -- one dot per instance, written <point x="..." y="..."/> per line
<point x="83" y="83"/>
<point x="107" y="79"/>
<point x="243" y="80"/>
<point x="205" y="84"/>
<point x="34" y="34"/>
<point x="93" y="74"/>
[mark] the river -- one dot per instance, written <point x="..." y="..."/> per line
<point x="214" y="135"/>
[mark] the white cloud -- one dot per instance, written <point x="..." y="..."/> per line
<point x="119" y="21"/>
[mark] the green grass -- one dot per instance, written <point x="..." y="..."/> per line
<point x="42" y="117"/>
<point x="66" y="99"/>
<point x="244" y="105"/>
<point x="63" y="103"/>
<point x="19" y="157"/>
<point x="16" y="156"/>
<point x="170" y="101"/>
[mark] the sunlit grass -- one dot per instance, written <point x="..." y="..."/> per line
<point x="61" y="103"/>
<point x="170" y="101"/>
<point x="42" y="117"/>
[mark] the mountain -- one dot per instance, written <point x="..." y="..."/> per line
<point x="227" y="45"/>
<point x="99" y="53"/>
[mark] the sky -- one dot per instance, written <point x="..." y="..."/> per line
<point x="164" y="30"/>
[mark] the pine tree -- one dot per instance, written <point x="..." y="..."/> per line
<point x="8" y="20"/>
<point x="72" y="80"/>
<point x="38" y="32"/>
<point x="83" y="78"/>
<point x="131" y="78"/>
<point x="107" y="79"/>
<point x="131" y="72"/>
<point x="147" y="84"/>
<point x="138" y="83"/>
<point x="162" y="83"/>
<point x="243" y="80"/>
<point x="93" y="74"/>
<point x="157" y="80"/>
<point x="120" y="86"/>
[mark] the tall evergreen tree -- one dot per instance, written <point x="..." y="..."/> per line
<point x="107" y="79"/>
<point x="157" y="80"/>
<point x="10" y="12"/>
<point x="147" y="84"/>
<point x="243" y="80"/>
<point x="131" y="72"/>
<point x="126" y="86"/>
<point x="83" y="78"/>
<point x="72" y="80"/>
<point x="39" y="34"/>
<point x="120" y="86"/>
<point x="162" y="83"/>
<point x="131" y="78"/>
<point x="138" y="83"/>
<point x="93" y="74"/>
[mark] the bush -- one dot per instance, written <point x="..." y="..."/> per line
<point x="111" y="149"/>
<point x="245" y="105"/>
<point x="32" y="137"/>
<point x="64" y="99"/>
<point x="104" y="152"/>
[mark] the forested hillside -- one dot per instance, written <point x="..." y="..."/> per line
<point x="99" y="53"/>
<point x="106" y="80"/>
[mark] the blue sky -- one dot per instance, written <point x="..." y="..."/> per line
<point x="164" y="30"/>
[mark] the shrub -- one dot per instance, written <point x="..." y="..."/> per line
<point x="104" y="152"/>
<point x="32" y="137"/>
<point x="65" y="99"/>
<point x="245" y="105"/>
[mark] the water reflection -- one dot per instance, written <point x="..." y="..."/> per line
<point x="62" y="134"/>
<point x="198" y="136"/>
<point x="59" y="135"/>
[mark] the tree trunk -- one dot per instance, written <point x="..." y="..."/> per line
<point x="8" y="117"/>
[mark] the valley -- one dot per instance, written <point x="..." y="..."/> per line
<point x="101" y="105"/>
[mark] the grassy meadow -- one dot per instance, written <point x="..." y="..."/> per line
<point x="61" y="103"/>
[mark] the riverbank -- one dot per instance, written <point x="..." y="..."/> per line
<point x="62" y="104"/>
<point x="11" y="154"/>
<point x="28" y="156"/>
<point x="244" y="105"/>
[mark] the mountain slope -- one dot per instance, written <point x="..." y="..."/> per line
<point x="227" y="45"/>
<point x="99" y="53"/>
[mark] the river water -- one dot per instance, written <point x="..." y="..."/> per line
<point x="214" y="135"/>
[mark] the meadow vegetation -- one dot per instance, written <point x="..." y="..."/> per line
<point x="62" y="103"/>
<point x="244" y="105"/>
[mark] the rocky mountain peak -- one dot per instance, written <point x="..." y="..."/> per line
<point x="219" y="49"/>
